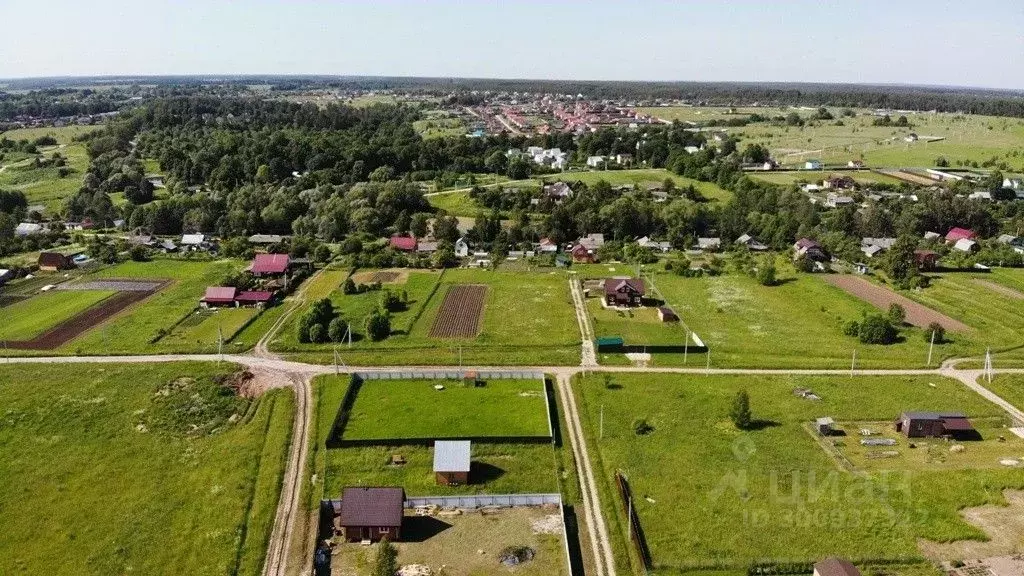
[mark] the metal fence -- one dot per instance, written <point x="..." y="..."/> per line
<point x="449" y="374"/>
<point x="482" y="500"/>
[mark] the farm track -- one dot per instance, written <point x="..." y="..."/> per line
<point x="1005" y="291"/>
<point x="461" y="312"/>
<point x="917" y="314"/>
<point x="588" y="356"/>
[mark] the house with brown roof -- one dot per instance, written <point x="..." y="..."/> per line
<point x="811" y="249"/>
<point x="219" y="296"/>
<point x="624" y="291"/>
<point x="581" y="253"/>
<point x="934" y="425"/>
<point x="55" y="261"/>
<point x="270" y="265"/>
<point x="372" y="513"/>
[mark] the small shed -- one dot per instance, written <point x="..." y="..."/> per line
<point x="666" y="314"/>
<point x="824" y="426"/>
<point x="835" y="567"/>
<point x="861" y="268"/>
<point x="452" y="462"/>
<point x="372" y="513"/>
<point x="934" y="425"/>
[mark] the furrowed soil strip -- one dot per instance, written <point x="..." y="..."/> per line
<point x="460" y="312"/>
<point x="82" y="322"/>
<point x="881" y="297"/>
<point x="1005" y="291"/>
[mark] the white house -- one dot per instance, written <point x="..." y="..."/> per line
<point x="835" y="200"/>
<point x="192" y="241"/>
<point x="28" y="229"/>
<point x="965" y="245"/>
<point x="751" y="243"/>
<point x="595" y="161"/>
<point x="1013" y="183"/>
<point x="709" y="244"/>
<point x="461" y="248"/>
<point x="812" y="165"/>
<point x="534" y="150"/>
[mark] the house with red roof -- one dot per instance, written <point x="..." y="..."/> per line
<point x="957" y="234"/>
<point x="269" y="265"/>
<point x="403" y="243"/>
<point x="219" y="296"/>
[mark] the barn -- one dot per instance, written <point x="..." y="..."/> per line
<point x="372" y="513"/>
<point x="934" y="425"/>
<point x="666" y="314"/>
<point x="219" y="296"/>
<point x="452" y="462"/>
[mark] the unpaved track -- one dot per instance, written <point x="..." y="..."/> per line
<point x="290" y="503"/>
<point x="1005" y="291"/>
<point x="881" y="297"/>
<point x="588" y="356"/>
<point x="602" y="549"/>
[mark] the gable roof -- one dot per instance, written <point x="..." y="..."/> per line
<point x="615" y="285"/>
<point x="378" y="507"/>
<point x="193" y="239"/>
<point x="254" y="296"/>
<point x="269" y="264"/>
<point x="220" y="294"/>
<point x="265" y="239"/>
<point x="451" y="456"/>
<point x="405" y="243"/>
<point x="955" y="234"/>
<point x="53" y="259"/>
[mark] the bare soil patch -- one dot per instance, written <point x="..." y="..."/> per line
<point x="1005" y="291"/>
<point x="382" y="276"/>
<point x="881" y="297"/>
<point x="1004" y="526"/>
<point x="461" y="311"/>
<point x="80" y="323"/>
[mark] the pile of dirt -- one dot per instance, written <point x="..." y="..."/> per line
<point x="516" y="555"/>
<point x="415" y="570"/>
<point x="550" y="524"/>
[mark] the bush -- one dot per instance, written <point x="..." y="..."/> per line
<point x="392" y="302"/>
<point x="851" y="328"/>
<point x="337" y="329"/>
<point x="386" y="562"/>
<point x="641" y="427"/>
<point x="876" y="329"/>
<point x="740" y="412"/>
<point x="349" y="287"/>
<point x="378" y="326"/>
<point x="766" y="274"/>
<point x="897" y="315"/>
<point x="138" y="253"/>
<point x="938" y="329"/>
<point x="318" y="334"/>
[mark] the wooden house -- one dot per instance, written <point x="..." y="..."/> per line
<point x="452" y="462"/>
<point x="371" y="514"/>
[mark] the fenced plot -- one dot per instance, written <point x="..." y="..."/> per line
<point x="114" y="285"/>
<point x="881" y="298"/>
<point x="460" y="312"/>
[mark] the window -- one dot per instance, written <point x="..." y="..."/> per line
<point x="385" y="530"/>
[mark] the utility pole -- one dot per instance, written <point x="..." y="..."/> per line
<point x="931" y="346"/>
<point x="336" y="370"/>
<point x="220" y="343"/>
<point x="686" y="346"/>
<point x="853" y="364"/>
<point x="988" y="365"/>
<point x="707" y="368"/>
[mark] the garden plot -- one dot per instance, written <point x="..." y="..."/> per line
<point x="460" y="313"/>
<point x="881" y="298"/>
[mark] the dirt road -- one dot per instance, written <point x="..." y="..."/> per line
<point x="588" y="356"/>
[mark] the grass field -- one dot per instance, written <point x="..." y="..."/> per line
<point x="63" y="135"/>
<point x="1009" y="387"/>
<point x="962" y="137"/>
<point x="439" y="126"/>
<point x="28" y="318"/>
<point x="773" y="493"/>
<point x="100" y="467"/>
<point x="637" y="326"/>
<point x="44" y="185"/>
<point x="205" y="326"/>
<point x="528" y="319"/>
<point x="799" y="323"/>
<point x="131" y="331"/>
<point x="862" y="177"/>
<point x="416" y="410"/>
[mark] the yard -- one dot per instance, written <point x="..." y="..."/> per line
<point x="469" y="544"/>
<point x="497" y="468"/>
<point x="773" y="493"/>
<point x="28" y="318"/>
<point x="415" y="409"/>
<point x="638" y="326"/>
<point x="100" y="466"/>
<point x="798" y="323"/>
<point x="527" y="319"/>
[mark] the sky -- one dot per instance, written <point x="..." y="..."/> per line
<point x="933" y="42"/>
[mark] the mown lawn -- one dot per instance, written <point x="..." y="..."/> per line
<point x="712" y="497"/>
<point x="100" y="467"/>
<point x="499" y="468"/>
<point x="1009" y="387"/>
<point x="204" y="328"/>
<point x="528" y="319"/>
<point x="415" y="409"/>
<point x="28" y="318"/>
